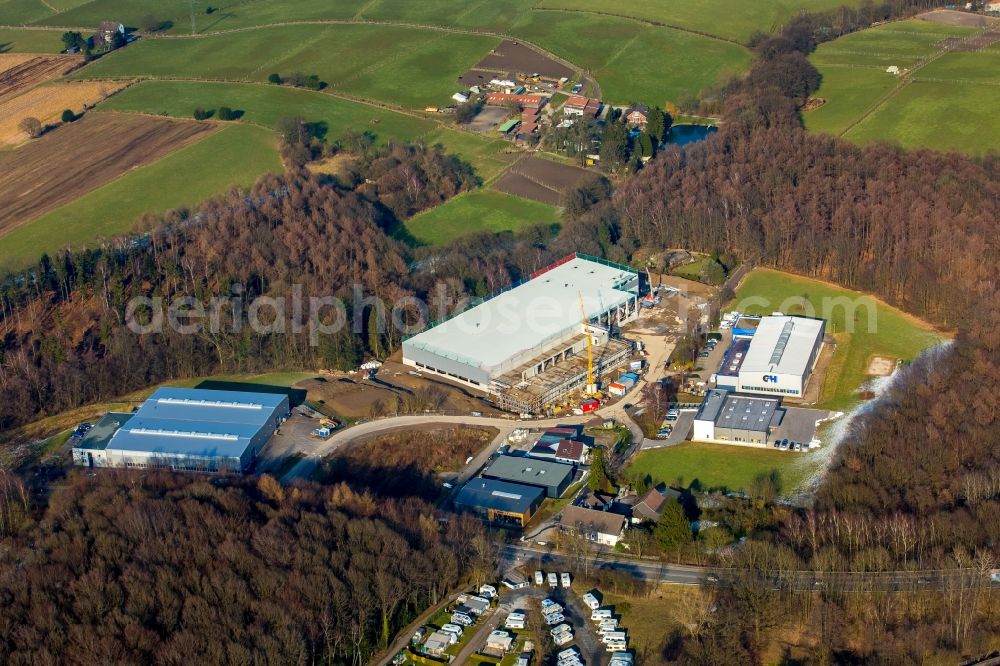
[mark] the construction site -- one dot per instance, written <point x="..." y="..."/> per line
<point x="539" y="342"/>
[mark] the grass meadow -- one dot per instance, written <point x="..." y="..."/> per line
<point x="944" y="99"/>
<point x="480" y="210"/>
<point x="871" y="329"/>
<point x="722" y="466"/>
<point x="406" y="66"/>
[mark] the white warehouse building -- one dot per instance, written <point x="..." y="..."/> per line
<point x="524" y="345"/>
<point x="778" y="358"/>
<point x="196" y="430"/>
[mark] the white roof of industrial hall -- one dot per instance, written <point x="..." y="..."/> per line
<point x="528" y="315"/>
<point x="196" y="422"/>
<point x="782" y="345"/>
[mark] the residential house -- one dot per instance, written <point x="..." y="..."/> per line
<point x="600" y="527"/>
<point x="649" y="507"/>
<point x="637" y="115"/>
<point x="597" y="502"/>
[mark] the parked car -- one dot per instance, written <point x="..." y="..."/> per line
<point x="777" y="443"/>
<point x="784" y="444"/>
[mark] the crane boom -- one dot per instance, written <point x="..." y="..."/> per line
<point x="591" y="384"/>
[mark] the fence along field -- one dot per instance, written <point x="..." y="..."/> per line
<point x="944" y="98"/>
<point x="76" y="158"/>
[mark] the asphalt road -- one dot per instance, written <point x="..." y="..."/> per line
<point x="678" y="574"/>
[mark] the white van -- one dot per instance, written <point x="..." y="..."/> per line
<point x="553" y="579"/>
<point x="539" y="578"/>
<point x="614" y="637"/>
<point x="591" y="602"/>
<point x="462" y="619"/>
<point x="453" y="629"/>
<point x="601" y="614"/>
<point x="564" y="579"/>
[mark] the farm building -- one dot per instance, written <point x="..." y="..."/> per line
<point x="601" y="527"/>
<point x="728" y="418"/>
<point x="193" y="430"/>
<point x="554" y="478"/>
<point x="526" y="346"/>
<point x="500" y="501"/>
<point x="772" y="355"/>
<point x="526" y="101"/>
<point x="582" y="106"/>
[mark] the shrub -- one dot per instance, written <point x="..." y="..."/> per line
<point x="275" y="78"/>
<point x="225" y="113"/>
<point x="202" y="114"/>
<point x="68" y="116"/>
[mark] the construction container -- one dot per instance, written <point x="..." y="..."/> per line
<point x="615" y="388"/>
<point x="629" y="375"/>
<point x="636" y="365"/>
<point x="589" y="406"/>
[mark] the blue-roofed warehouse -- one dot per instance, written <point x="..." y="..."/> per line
<point x="196" y="430"/>
<point x="500" y="501"/>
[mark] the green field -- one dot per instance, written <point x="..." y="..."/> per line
<point x="411" y="67"/>
<point x="943" y="100"/>
<point x="612" y="53"/>
<point x="721" y="466"/>
<point x="30" y="41"/>
<point x="713" y="17"/>
<point x="481" y="210"/>
<point x="237" y="155"/>
<point x="19" y="12"/>
<point x="862" y="326"/>
<point x="264" y="104"/>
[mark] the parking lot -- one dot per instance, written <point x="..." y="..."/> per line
<point x="681" y="432"/>
<point x="799" y="425"/>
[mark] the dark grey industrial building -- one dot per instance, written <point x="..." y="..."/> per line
<point x="553" y="477"/>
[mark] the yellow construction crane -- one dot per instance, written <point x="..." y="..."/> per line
<point x="591" y="383"/>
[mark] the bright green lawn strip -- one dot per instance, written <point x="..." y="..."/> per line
<point x="942" y="116"/>
<point x="236" y="155"/>
<point x="480" y="210"/>
<point x="721" y="466"/>
<point x="30" y="41"/>
<point x="892" y="334"/>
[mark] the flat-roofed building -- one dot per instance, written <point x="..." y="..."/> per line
<point x="553" y="477"/>
<point x="729" y="418"/>
<point x="526" y="345"/>
<point x="195" y="430"/>
<point x="780" y="357"/>
<point x="500" y="501"/>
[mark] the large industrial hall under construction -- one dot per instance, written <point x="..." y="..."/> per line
<point x="533" y="343"/>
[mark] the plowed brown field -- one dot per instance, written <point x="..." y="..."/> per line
<point x="47" y="104"/>
<point x="17" y="74"/>
<point x="77" y="158"/>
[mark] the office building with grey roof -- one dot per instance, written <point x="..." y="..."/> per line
<point x="193" y="430"/>
<point x="500" y="501"/>
<point x="730" y="418"/>
<point x="553" y="477"/>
